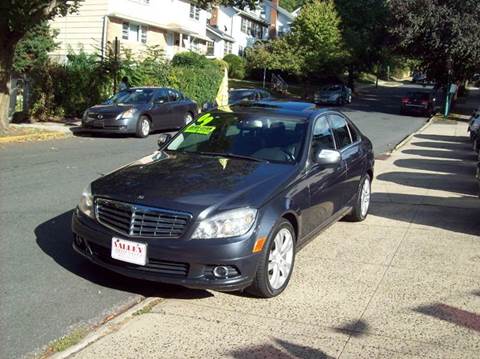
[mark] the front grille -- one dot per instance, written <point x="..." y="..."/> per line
<point x="167" y="268"/>
<point x="140" y="221"/>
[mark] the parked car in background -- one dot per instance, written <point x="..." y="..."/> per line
<point x="228" y="201"/>
<point x="253" y="94"/>
<point x="418" y="102"/>
<point x="419" y="77"/>
<point x="333" y="95"/>
<point x="474" y="130"/>
<point x="140" y="111"/>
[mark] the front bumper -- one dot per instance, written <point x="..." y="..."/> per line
<point x="176" y="261"/>
<point x="110" y="125"/>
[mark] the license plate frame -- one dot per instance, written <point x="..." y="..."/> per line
<point x="129" y="251"/>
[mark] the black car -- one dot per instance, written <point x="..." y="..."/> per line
<point x="140" y="111"/>
<point x="228" y="201"/>
<point x="253" y="94"/>
<point x="419" y="102"/>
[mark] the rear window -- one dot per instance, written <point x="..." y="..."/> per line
<point x="418" y="96"/>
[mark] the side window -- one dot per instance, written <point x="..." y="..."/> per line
<point x="161" y="96"/>
<point x="322" y="136"/>
<point x="353" y="133"/>
<point x="173" y="96"/>
<point x="340" y="130"/>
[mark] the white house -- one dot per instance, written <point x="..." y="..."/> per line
<point x="232" y="29"/>
<point x="174" y="25"/>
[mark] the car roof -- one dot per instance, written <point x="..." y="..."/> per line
<point x="292" y="109"/>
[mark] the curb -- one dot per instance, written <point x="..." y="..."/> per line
<point x="109" y="326"/>
<point x="34" y="137"/>
<point x="410" y="136"/>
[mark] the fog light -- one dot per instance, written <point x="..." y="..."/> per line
<point x="220" y="272"/>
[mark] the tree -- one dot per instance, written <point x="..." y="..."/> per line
<point x="291" y="5"/>
<point x="314" y="46"/>
<point x="17" y="18"/>
<point x="31" y="53"/>
<point x="442" y="34"/>
<point x="364" y="28"/>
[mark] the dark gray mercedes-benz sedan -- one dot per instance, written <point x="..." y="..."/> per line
<point x="228" y="201"/>
<point x="139" y="111"/>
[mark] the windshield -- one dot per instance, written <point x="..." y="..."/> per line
<point x="240" y="95"/>
<point x="131" y="96"/>
<point x="254" y="137"/>
<point x="331" y="88"/>
<point x="421" y="96"/>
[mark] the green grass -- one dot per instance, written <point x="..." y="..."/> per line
<point x="148" y="308"/>
<point x="68" y="340"/>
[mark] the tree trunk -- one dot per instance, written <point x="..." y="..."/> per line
<point x="6" y="58"/>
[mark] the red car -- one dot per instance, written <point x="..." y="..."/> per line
<point x="418" y="103"/>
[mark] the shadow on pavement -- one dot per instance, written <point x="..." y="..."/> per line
<point x="54" y="237"/>
<point x="290" y="350"/>
<point x="465" y="156"/>
<point x="451" y="314"/>
<point x="445" y="163"/>
<point x="355" y="328"/>
<point x="447" y="216"/>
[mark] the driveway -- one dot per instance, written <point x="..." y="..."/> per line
<point x="45" y="287"/>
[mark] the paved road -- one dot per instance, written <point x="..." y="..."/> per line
<point x="45" y="288"/>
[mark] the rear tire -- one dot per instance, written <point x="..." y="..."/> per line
<point x="275" y="266"/>
<point x="362" y="202"/>
<point x="143" y="127"/>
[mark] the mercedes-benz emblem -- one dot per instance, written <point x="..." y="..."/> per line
<point x="141" y="196"/>
<point x="100" y="117"/>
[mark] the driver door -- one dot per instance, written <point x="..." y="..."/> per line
<point x="161" y="111"/>
<point x="325" y="183"/>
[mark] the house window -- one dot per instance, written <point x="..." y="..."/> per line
<point x="243" y="26"/>
<point x="134" y="32"/>
<point x="228" y="47"/>
<point x="210" y="48"/>
<point x="194" y="12"/>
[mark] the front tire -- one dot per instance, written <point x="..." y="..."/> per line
<point x="276" y="264"/>
<point x="143" y="127"/>
<point x="362" y="202"/>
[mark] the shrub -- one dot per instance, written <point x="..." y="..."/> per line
<point x="189" y="58"/>
<point x="84" y="80"/>
<point x="236" y="66"/>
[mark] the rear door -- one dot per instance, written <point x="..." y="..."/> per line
<point x="350" y="148"/>
<point x="325" y="183"/>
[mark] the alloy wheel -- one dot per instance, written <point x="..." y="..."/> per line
<point x="365" y="197"/>
<point x="188" y="118"/>
<point x="280" y="259"/>
<point x="145" y="127"/>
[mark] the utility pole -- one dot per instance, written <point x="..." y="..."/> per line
<point x="448" y="95"/>
<point x="116" y="52"/>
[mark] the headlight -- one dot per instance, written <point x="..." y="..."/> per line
<point x="232" y="223"/>
<point x="86" y="202"/>
<point x="127" y="114"/>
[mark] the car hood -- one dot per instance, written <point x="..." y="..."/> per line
<point x="194" y="183"/>
<point x="111" y="110"/>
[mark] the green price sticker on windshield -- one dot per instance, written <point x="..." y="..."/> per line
<point x="200" y="130"/>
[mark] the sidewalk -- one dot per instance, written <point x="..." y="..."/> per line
<point x="403" y="284"/>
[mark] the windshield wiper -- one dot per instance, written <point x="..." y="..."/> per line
<point x="231" y="155"/>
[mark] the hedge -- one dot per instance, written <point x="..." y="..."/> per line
<point x="236" y="66"/>
<point x="83" y="80"/>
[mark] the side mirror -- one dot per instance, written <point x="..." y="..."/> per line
<point x="327" y="157"/>
<point x="163" y="140"/>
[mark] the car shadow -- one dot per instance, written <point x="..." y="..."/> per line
<point x="85" y="132"/>
<point x="54" y="237"/>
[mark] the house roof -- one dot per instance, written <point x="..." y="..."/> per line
<point x="170" y="26"/>
<point x="251" y="15"/>
<point x="220" y="33"/>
